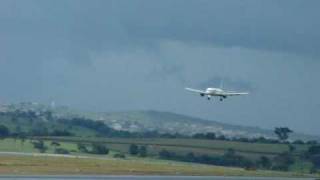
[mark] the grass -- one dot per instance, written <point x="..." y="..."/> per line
<point x="184" y="146"/>
<point x="11" y="145"/>
<point x="301" y="166"/>
<point x="105" y="164"/>
<point x="61" y="165"/>
<point x="252" y="151"/>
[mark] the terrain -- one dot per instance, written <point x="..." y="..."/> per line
<point x="162" y="122"/>
<point x="28" y="165"/>
<point x="30" y="162"/>
<point x="33" y="130"/>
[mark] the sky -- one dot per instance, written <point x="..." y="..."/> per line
<point x="113" y="55"/>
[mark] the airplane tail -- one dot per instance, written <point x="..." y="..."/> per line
<point x="221" y="84"/>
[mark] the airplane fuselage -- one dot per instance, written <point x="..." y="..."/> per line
<point x="214" y="92"/>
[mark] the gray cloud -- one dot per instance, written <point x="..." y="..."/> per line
<point x="73" y="27"/>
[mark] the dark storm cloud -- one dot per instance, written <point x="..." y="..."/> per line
<point x="271" y="25"/>
<point x="72" y="27"/>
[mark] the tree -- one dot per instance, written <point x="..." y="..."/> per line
<point x="40" y="146"/>
<point x="265" y="162"/>
<point x="291" y="148"/>
<point x="315" y="159"/>
<point x="166" y="154"/>
<point x="57" y="132"/>
<point x="298" y="142"/>
<point x="283" y="161"/>
<point x="39" y="129"/>
<point x="313" y="154"/>
<point x="23" y="137"/>
<point x="99" y="149"/>
<point x="82" y="148"/>
<point x="190" y="157"/>
<point x="48" y="115"/>
<point x="119" y="155"/>
<point x="221" y="137"/>
<point x="61" y="151"/>
<point x="55" y="143"/>
<point x="133" y="149"/>
<point x="312" y="142"/>
<point x="4" y="131"/>
<point x="314" y="150"/>
<point x="143" y="151"/>
<point x="230" y="153"/>
<point x="211" y="136"/>
<point x="198" y="136"/>
<point x="282" y="133"/>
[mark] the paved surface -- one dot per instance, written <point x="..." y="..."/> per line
<point x="146" y="178"/>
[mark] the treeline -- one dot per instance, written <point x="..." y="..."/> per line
<point x="29" y="124"/>
<point x="46" y="124"/>
<point x="92" y="148"/>
<point x="40" y="131"/>
<point x="105" y="131"/>
<point x="213" y="136"/>
<point x="230" y="158"/>
<point x="280" y="162"/>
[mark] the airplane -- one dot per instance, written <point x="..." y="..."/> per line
<point x="210" y="92"/>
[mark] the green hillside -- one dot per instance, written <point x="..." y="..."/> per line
<point x="163" y="122"/>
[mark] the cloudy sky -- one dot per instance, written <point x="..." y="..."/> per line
<point x="113" y="55"/>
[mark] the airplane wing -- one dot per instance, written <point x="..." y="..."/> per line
<point x="235" y="93"/>
<point x="196" y="90"/>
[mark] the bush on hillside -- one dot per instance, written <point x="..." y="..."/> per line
<point x="4" y="131"/>
<point x="61" y="151"/>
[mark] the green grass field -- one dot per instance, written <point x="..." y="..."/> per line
<point x="20" y="165"/>
<point x="11" y="145"/>
<point x="184" y="146"/>
<point x="106" y="164"/>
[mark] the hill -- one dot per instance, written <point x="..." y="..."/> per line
<point x="163" y="122"/>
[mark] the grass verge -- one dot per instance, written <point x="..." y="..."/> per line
<point x="33" y="165"/>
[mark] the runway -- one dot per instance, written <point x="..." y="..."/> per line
<point x="93" y="177"/>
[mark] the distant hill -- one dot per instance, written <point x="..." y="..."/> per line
<point x="163" y="122"/>
<point x="167" y="122"/>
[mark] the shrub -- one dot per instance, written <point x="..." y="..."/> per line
<point x="55" y="143"/>
<point x="4" y="131"/>
<point x="119" y="155"/>
<point x="143" y="151"/>
<point x="60" y="133"/>
<point x="82" y="148"/>
<point x="40" y="146"/>
<point x="133" y="149"/>
<point x="99" y="149"/>
<point x="61" y="151"/>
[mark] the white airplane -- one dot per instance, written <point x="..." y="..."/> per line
<point x="210" y="92"/>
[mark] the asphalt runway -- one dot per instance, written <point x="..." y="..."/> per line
<point x="82" y="177"/>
